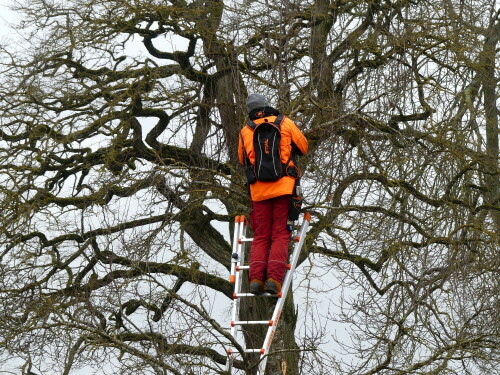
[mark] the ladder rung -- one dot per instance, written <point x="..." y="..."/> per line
<point x="239" y="268"/>
<point x="261" y="351"/>
<point x="235" y="352"/>
<point x="242" y="322"/>
<point x="244" y="239"/>
<point x="237" y="295"/>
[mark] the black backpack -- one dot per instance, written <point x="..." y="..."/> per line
<point x="266" y="142"/>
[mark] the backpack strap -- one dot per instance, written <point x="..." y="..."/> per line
<point x="249" y="170"/>
<point x="252" y="125"/>
<point x="278" y="120"/>
<point x="245" y="156"/>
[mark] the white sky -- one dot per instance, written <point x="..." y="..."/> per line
<point x="6" y="17"/>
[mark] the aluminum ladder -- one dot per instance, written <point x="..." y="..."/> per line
<point x="236" y="277"/>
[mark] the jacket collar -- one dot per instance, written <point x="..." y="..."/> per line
<point x="262" y="112"/>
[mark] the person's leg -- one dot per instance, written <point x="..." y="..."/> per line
<point x="278" y="256"/>
<point x="261" y="221"/>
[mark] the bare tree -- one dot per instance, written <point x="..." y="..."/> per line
<point x="119" y="184"/>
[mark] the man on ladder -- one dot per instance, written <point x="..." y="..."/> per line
<point x="267" y="145"/>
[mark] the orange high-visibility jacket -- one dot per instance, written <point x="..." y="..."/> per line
<point x="260" y="190"/>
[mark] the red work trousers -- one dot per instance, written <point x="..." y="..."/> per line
<point x="269" y="251"/>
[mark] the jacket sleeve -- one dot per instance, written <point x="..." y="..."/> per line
<point x="299" y="141"/>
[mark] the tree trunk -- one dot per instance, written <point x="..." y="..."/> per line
<point x="491" y="172"/>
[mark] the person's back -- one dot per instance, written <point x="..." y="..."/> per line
<point x="270" y="199"/>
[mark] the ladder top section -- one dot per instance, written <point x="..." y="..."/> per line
<point x="240" y="219"/>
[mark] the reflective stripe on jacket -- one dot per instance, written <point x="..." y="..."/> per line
<point x="290" y="133"/>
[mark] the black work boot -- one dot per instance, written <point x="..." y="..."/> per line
<point x="256" y="286"/>
<point x="272" y="286"/>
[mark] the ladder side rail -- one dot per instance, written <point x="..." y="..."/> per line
<point x="241" y="255"/>
<point x="295" y="255"/>
<point x="239" y="276"/>
<point x="240" y="246"/>
<point x="239" y="231"/>
<point x="236" y="235"/>
<point x="284" y="291"/>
